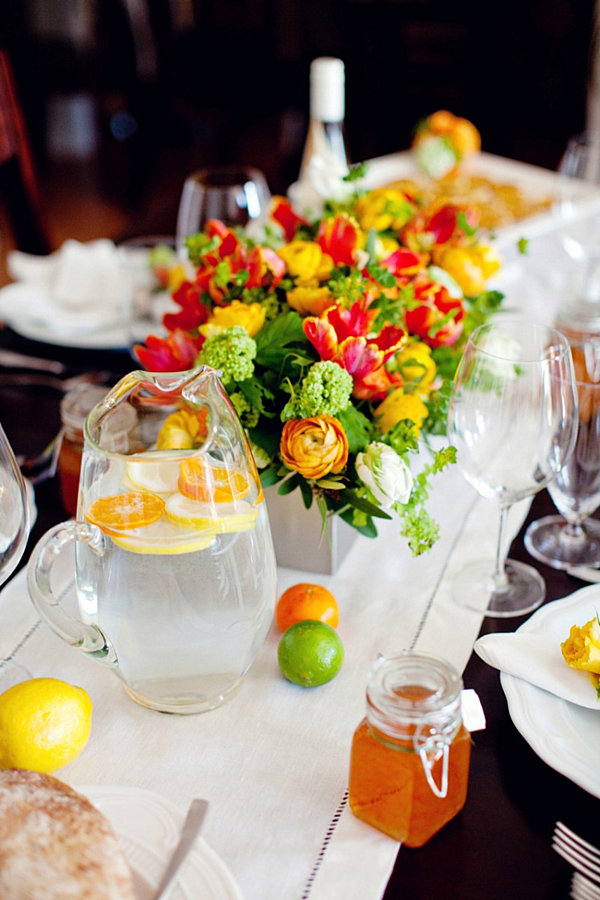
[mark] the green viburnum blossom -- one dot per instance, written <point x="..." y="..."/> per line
<point x="249" y="415"/>
<point x="325" y="390"/>
<point x="232" y="351"/>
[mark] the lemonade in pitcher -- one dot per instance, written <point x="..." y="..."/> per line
<point x="175" y="570"/>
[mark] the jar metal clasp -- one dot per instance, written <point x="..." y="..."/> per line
<point x="430" y="749"/>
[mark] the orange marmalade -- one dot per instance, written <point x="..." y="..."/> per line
<point x="410" y="755"/>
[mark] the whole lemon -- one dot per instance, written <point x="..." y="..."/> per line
<point x="44" y="724"/>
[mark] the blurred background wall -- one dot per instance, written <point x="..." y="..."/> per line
<point x="124" y="97"/>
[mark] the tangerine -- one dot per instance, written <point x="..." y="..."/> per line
<point x="306" y="601"/>
<point x="123" y="512"/>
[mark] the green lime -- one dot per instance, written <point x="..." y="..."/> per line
<point x="310" y="653"/>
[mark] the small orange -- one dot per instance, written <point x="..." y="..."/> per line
<point x="199" y="481"/>
<point x="123" y="512"/>
<point x="306" y="601"/>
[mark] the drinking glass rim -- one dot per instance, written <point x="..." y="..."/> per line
<point x="557" y="342"/>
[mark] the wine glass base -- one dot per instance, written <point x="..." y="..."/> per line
<point x="548" y="540"/>
<point x="524" y="592"/>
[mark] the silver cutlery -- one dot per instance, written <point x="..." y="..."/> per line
<point x="189" y="833"/>
<point x="582" y="855"/>
<point x="24" y="361"/>
<point x="583" y="889"/>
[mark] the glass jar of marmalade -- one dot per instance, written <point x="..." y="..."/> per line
<point x="74" y="407"/>
<point x="409" y="764"/>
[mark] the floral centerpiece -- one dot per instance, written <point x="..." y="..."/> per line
<point x="337" y="338"/>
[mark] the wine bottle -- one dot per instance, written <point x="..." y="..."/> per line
<point x="325" y="156"/>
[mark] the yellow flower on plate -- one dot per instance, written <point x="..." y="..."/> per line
<point x="581" y="650"/>
<point x="305" y="260"/>
<point x="314" y="447"/>
<point x="251" y="317"/>
<point x="398" y="406"/>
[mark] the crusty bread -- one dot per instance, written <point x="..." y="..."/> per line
<point x="55" y="845"/>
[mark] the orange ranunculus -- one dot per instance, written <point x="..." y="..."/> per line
<point x="314" y="447"/>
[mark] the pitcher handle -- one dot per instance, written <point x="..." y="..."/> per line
<point x="84" y="636"/>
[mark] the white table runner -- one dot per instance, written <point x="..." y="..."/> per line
<point x="273" y="761"/>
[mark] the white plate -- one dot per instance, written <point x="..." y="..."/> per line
<point x="147" y="826"/>
<point x="23" y="309"/>
<point x="532" y="180"/>
<point x="564" y="735"/>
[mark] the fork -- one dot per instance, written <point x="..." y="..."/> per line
<point x="583" y="889"/>
<point x="582" y="855"/>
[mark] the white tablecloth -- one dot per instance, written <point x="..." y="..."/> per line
<point x="273" y="761"/>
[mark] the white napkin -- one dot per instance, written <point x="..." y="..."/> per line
<point x="537" y="658"/>
<point x="77" y="288"/>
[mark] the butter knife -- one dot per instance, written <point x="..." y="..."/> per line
<point x="24" y="361"/>
<point x="189" y="833"/>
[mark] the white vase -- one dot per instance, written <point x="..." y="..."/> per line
<point x="299" y="543"/>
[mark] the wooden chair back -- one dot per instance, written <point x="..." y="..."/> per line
<point x="19" y="187"/>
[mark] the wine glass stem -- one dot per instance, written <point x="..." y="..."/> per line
<point x="499" y="577"/>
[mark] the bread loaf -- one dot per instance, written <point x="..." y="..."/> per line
<point x="55" y="845"/>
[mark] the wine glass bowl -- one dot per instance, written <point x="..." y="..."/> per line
<point x="572" y="538"/>
<point x="512" y="418"/>
<point x="580" y="171"/>
<point x="236" y="195"/>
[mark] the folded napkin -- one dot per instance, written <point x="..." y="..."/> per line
<point x="77" y="288"/>
<point x="537" y="658"/>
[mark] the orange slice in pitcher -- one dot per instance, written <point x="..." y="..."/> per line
<point x="125" y="512"/>
<point x="200" y="481"/>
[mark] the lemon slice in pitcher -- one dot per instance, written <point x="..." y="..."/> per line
<point x="164" y="539"/>
<point x="187" y="513"/>
<point x="157" y="475"/>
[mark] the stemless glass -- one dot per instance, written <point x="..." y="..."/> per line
<point x="573" y="539"/>
<point x="512" y="417"/>
<point x="235" y="195"/>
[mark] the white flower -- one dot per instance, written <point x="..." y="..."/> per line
<point x="385" y="473"/>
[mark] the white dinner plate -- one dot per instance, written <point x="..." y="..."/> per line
<point x="564" y="735"/>
<point x="147" y="826"/>
<point x="27" y="310"/>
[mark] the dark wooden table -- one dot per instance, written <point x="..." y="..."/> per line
<point x="500" y="845"/>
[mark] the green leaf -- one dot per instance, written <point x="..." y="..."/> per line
<point x="266" y="436"/>
<point x="276" y="338"/>
<point x="269" y="476"/>
<point x="350" y="497"/>
<point x="523" y="245"/>
<point x="330" y="484"/>
<point x="307" y="494"/>
<point x="289" y="485"/>
<point x="367" y="527"/>
<point x="356" y="172"/>
<point x="357" y="427"/>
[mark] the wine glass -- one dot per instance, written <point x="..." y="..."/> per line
<point x="573" y="539"/>
<point x="512" y="417"/>
<point x="14" y="531"/>
<point x="579" y="205"/>
<point x="237" y="195"/>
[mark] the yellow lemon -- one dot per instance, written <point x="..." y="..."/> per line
<point x="44" y="724"/>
